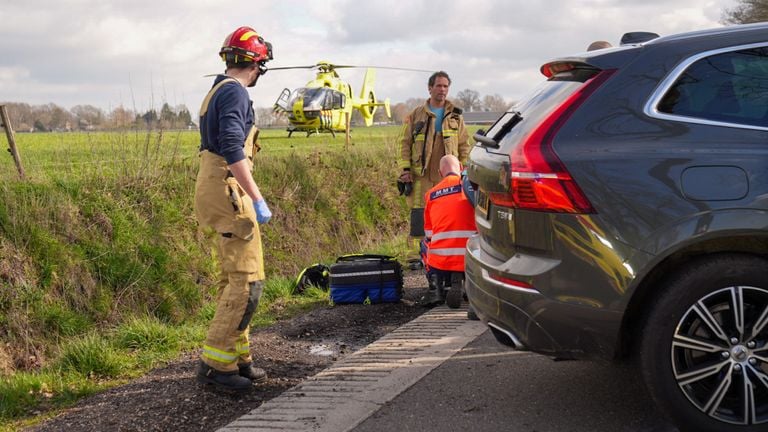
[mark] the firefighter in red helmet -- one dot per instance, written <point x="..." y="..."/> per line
<point x="229" y="202"/>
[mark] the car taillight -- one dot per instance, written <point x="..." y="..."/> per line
<point x="509" y="281"/>
<point x="538" y="179"/>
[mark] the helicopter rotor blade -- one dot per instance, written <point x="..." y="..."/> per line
<point x="291" y="67"/>
<point x="382" y="67"/>
<point x="331" y="66"/>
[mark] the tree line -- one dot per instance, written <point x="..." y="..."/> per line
<point x="51" y="117"/>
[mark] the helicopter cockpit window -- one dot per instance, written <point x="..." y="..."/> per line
<point x="295" y="96"/>
<point x="338" y="100"/>
<point x="322" y="98"/>
<point x="315" y="99"/>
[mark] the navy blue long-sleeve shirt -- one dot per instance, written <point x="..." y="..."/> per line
<point x="226" y="124"/>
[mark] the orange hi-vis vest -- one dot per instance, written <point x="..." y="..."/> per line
<point x="449" y="221"/>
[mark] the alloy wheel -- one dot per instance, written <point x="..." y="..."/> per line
<point x="720" y="355"/>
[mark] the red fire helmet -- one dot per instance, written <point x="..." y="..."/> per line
<point x="245" y="45"/>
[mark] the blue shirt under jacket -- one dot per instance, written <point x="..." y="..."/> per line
<point x="226" y="124"/>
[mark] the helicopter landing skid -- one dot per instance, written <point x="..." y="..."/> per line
<point x="318" y="131"/>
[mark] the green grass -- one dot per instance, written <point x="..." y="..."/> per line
<point x="105" y="275"/>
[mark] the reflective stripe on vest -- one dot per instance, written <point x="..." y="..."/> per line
<point x="453" y="235"/>
<point x="447" y="251"/>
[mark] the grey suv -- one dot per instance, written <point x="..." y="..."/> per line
<point x="622" y="211"/>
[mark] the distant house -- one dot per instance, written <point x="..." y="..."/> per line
<point x="481" y="117"/>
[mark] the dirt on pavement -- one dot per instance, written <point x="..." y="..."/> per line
<point x="169" y="398"/>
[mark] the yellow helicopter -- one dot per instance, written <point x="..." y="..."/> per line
<point x="325" y="104"/>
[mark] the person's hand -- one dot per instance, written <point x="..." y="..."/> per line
<point x="263" y="215"/>
<point x="405" y="177"/>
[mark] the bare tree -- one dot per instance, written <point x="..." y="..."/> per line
<point x="380" y="116"/>
<point x="53" y="117"/>
<point x="88" y="117"/>
<point x="121" y="118"/>
<point x="747" y="11"/>
<point x="266" y="117"/>
<point x="21" y="116"/>
<point x="401" y="109"/>
<point x="468" y="99"/>
<point x="496" y="103"/>
<point x="399" y="112"/>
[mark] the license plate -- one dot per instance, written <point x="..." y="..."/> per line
<point x="482" y="203"/>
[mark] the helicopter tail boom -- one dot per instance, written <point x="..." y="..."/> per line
<point x="368" y="103"/>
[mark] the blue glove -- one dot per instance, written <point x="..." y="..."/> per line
<point x="263" y="215"/>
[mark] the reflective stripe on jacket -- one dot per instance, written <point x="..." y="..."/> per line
<point x="449" y="221"/>
<point x="419" y="137"/>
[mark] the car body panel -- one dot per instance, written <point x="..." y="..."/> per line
<point x="661" y="187"/>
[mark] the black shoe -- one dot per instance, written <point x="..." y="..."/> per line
<point x="415" y="264"/>
<point x="248" y="370"/>
<point x="456" y="293"/>
<point x="472" y="315"/>
<point x="432" y="298"/>
<point x="228" y="381"/>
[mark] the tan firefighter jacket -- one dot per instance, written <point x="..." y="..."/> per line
<point x="419" y="137"/>
<point x="222" y="204"/>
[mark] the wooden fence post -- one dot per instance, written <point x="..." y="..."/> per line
<point x="347" y="117"/>
<point x="6" y="123"/>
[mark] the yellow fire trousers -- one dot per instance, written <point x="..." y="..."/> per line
<point x="221" y="204"/>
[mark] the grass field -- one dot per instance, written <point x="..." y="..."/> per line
<point x="104" y="273"/>
<point x="53" y="155"/>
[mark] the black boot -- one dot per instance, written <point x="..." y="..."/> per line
<point x="414" y="264"/>
<point x="454" y="295"/>
<point x="248" y="370"/>
<point x="433" y="297"/>
<point x="228" y="381"/>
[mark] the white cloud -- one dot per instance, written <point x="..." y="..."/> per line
<point x="146" y="52"/>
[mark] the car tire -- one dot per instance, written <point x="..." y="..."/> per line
<point x="703" y="343"/>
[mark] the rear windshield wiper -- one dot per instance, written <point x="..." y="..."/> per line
<point x="486" y="141"/>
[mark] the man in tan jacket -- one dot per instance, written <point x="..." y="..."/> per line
<point x="431" y="131"/>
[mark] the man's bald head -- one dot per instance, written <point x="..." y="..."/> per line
<point x="449" y="164"/>
<point x="596" y="45"/>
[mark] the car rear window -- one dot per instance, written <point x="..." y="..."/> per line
<point x="531" y="110"/>
<point x="730" y="87"/>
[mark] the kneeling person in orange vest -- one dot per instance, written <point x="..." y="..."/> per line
<point x="449" y="221"/>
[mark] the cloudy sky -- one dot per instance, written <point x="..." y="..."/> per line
<point x="141" y="53"/>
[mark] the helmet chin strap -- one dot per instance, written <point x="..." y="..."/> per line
<point x="261" y="69"/>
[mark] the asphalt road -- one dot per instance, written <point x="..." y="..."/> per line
<point x="488" y="387"/>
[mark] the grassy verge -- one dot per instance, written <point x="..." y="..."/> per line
<point x="104" y="274"/>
